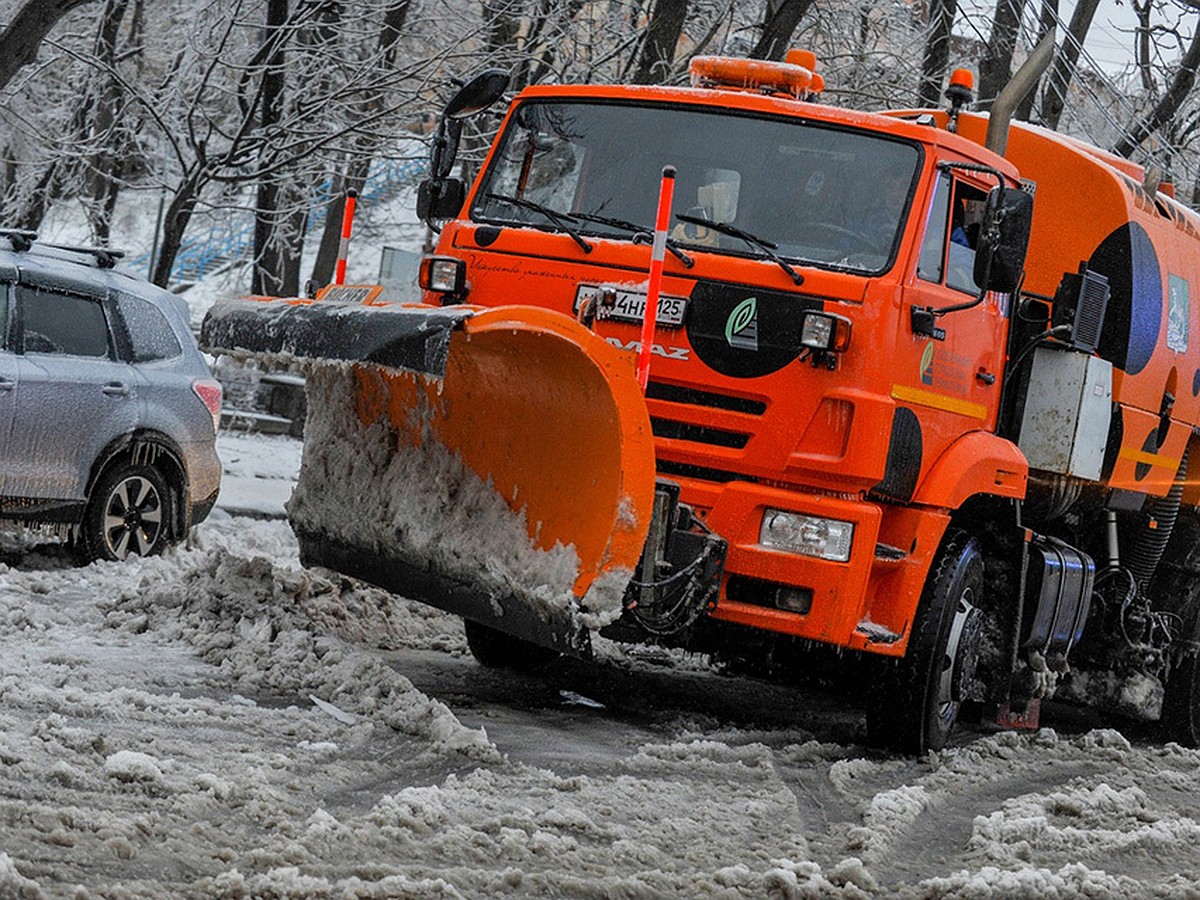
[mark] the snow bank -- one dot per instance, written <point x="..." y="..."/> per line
<point x="248" y="616"/>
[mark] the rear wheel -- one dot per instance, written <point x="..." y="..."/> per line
<point x="1181" y="706"/>
<point x="1175" y="591"/>
<point x="914" y="706"/>
<point x="498" y="650"/>
<point x="129" y="513"/>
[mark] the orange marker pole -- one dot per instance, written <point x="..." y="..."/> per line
<point x="658" y="251"/>
<point x="339" y="272"/>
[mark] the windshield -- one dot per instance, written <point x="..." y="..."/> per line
<point x="819" y="195"/>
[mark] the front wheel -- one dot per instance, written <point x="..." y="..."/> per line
<point x="498" y="650"/>
<point x="128" y="514"/>
<point x="914" y="705"/>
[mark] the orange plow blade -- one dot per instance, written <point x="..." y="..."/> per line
<point x="516" y="488"/>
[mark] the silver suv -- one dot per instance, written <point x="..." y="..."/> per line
<point x="108" y="411"/>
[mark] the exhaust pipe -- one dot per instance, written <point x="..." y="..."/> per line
<point x="1018" y="86"/>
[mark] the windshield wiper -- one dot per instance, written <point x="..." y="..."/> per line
<point x="561" y="219"/>
<point x="767" y="247"/>
<point x="640" y="234"/>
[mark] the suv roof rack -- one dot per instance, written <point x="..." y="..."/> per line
<point x="20" y="238"/>
<point x="105" y="258"/>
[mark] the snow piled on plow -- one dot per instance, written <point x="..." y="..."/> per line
<point x="422" y="504"/>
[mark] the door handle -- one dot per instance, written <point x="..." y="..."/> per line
<point x="6" y="385"/>
<point x="115" y="389"/>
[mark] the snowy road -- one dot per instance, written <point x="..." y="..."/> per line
<point x="220" y="723"/>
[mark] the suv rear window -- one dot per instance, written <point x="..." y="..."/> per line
<point x="68" y="324"/>
<point x="149" y="332"/>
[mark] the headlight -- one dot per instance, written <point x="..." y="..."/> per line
<point x="809" y="535"/>
<point x="444" y="274"/>
<point x="825" y="331"/>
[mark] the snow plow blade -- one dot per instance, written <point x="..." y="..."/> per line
<point x="495" y="463"/>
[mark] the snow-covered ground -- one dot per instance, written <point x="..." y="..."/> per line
<point x="220" y="722"/>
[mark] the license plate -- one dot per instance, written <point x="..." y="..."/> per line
<point x="630" y="306"/>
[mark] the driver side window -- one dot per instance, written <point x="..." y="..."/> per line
<point x="951" y="235"/>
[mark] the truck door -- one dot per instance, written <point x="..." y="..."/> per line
<point x="952" y="380"/>
<point x="73" y="398"/>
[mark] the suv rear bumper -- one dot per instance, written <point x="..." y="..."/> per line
<point x="201" y="508"/>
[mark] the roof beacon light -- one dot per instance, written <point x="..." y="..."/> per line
<point x="808" y="60"/>
<point x="760" y="75"/>
<point x="959" y="92"/>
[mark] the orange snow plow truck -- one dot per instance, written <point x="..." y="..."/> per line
<point x="923" y="387"/>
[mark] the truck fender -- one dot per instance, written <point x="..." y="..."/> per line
<point x="977" y="463"/>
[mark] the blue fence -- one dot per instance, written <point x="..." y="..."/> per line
<point x="233" y="238"/>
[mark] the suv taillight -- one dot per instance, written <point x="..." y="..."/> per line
<point x="209" y="393"/>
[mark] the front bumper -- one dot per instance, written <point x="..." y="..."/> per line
<point x="865" y="603"/>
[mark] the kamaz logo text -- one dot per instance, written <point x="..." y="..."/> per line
<point x="656" y="349"/>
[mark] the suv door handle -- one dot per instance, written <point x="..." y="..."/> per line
<point x="115" y="389"/>
<point x="6" y="385"/>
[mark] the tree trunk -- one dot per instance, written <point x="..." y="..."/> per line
<point x="19" y="41"/>
<point x="175" y="223"/>
<point x="1141" y="46"/>
<point x="657" y="59"/>
<point x="781" y="19"/>
<point x="269" y="243"/>
<point x="277" y="266"/>
<point x="996" y="65"/>
<point x="1055" y="96"/>
<point x="106" y="165"/>
<point x="1168" y="105"/>
<point x="1047" y="21"/>
<point x="30" y="213"/>
<point x="937" y="51"/>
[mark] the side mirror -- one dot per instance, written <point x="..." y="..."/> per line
<point x="445" y="147"/>
<point x="473" y="97"/>
<point x="477" y="94"/>
<point x="440" y="198"/>
<point x="1003" y="240"/>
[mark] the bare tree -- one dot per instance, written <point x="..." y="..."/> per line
<point x="656" y="61"/>
<point x="780" y="20"/>
<point x="1054" y="97"/>
<point x="1047" y="21"/>
<point x="996" y="65"/>
<point x="276" y="260"/>
<point x="358" y="165"/>
<point x="1180" y="87"/>
<point x="108" y="132"/>
<point x="937" y="51"/>
<point x="216" y="145"/>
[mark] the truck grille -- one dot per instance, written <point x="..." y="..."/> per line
<point x="701" y="434"/>
<point x="679" y="424"/>
<point x="656" y="390"/>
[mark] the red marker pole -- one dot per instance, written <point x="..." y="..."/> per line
<point x="339" y="272"/>
<point x="658" y="251"/>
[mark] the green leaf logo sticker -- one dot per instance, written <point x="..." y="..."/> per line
<point x="927" y="364"/>
<point x="741" y="328"/>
